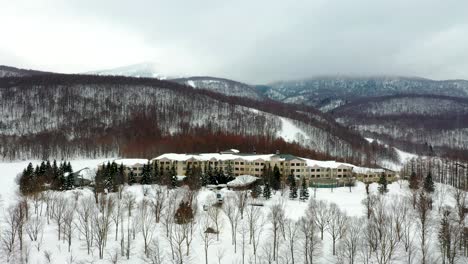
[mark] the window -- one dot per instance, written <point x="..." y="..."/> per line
<point x="313" y="170"/>
<point x="345" y="170"/>
<point x="298" y="170"/>
<point x="318" y="170"/>
<point x="339" y="170"/>
<point x="256" y="163"/>
<point x="236" y="169"/>
<point x="236" y="163"/>
<point x="242" y="163"/>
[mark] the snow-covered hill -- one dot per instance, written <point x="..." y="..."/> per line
<point x="223" y="86"/>
<point x="320" y="91"/>
<point x="146" y="70"/>
<point x="7" y="71"/>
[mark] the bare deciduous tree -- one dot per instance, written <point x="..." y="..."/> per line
<point x="276" y="216"/>
<point x="311" y="241"/>
<point x="85" y="210"/>
<point x="337" y="224"/>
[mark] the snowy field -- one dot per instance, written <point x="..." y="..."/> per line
<point x="49" y="249"/>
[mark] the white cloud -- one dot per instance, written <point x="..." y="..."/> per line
<point x="255" y="41"/>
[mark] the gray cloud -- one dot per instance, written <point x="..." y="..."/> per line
<point x="254" y="41"/>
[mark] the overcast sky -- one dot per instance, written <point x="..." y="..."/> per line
<point x="255" y="41"/>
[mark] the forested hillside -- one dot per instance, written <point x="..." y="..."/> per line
<point x="90" y="116"/>
<point x="223" y="86"/>
<point x="330" y="92"/>
<point x="425" y="124"/>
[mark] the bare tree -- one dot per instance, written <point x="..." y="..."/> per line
<point x="349" y="245"/>
<point x="242" y="197"/>
<point x="155" y="254"/>
<point x="243" y="231"/>
<point x="206" y="235"/>
<point x="214" y="213"/>
<point x="85" y="209"/>
<point x="146" y="223"/>
<point x="101" y="223"/>
<point x="129" y="201"/>
<point x="158" y="201"/>
<point x="33" y="227"/>
<point x="337" y="224"/>
<point x="59" y="207"/>
<point x="292" y="232"/>
<point x="179" y="235"/>
<point x="10" y="232"/>
<point x="276" y="216"/>
<point x="320" y="211"/>
<point x="385" y="231"/>
<point x="117" y="215"/>
<point x="423" y="207"/>
<point x="68" y="225"/>
<point x="233" y="214"/>
<point x="311" y="243"/>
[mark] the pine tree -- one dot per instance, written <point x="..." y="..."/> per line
<point x="276" y="181"/>
<point x="292" y="186"/>
<point x="429" y="183"/>
<point x="304" y="193"/>
<point x="256" y="190"/>
<point x="146" y="174"/>
<point x="69" y="182"/>
<point x="267" y="191"/>
<point x="414" y="181"/>
<point x="155" y="172"/>
<point x="131" y="178"/>
<point x="383" y="184"/>
<point x="173" y="177"/>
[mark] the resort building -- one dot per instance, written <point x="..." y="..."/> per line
<point x="253" y="164"/>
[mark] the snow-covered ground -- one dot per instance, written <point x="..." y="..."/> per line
<point x="350" y="201"/>
<point x="290" y="132"/>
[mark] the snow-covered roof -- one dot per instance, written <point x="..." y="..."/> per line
<point x="128" y="162"/>
<point x="327" y="164"/>
<point x="242" y="180"/>
<point x="367" y="170"/>
<point x="214" y="156"/>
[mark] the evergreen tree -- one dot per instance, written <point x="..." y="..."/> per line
<point x="304" y="193"/>
<point x="120" y="177"/>
<point x="173" y="177"/>
<point x="69" y="182"/>
<point x="256" y="190"/>
<point x="267" y="191"/>
<point x="27" y="183"/>
<point x="155" y="173"/>
<point x="131" y="178"/>
<point x="276" y="181"/>
<point x="383" y="184"/>
<point x="229" y="173"/>
<point x="146" y="174"/>
<point x="429" y="183"/>
<point x="413" y="181"/>
<point x="292" y="186"/>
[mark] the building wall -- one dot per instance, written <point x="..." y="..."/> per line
<point x="255" y="168"/>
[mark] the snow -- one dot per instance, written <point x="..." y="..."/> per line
<point x="290" y="132"/>
<point x="128" y="162"/>
<point x="348" y="200"/>
<point x="192" y="83"/>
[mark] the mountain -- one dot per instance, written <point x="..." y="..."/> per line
<point x="416" y="123"/>
<point x="223" y="86"/>
<point x="7" y="71"/>
<point x="327" y="93"/>
<point x="145" y="70"/>
<point x="60" y="115"/>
